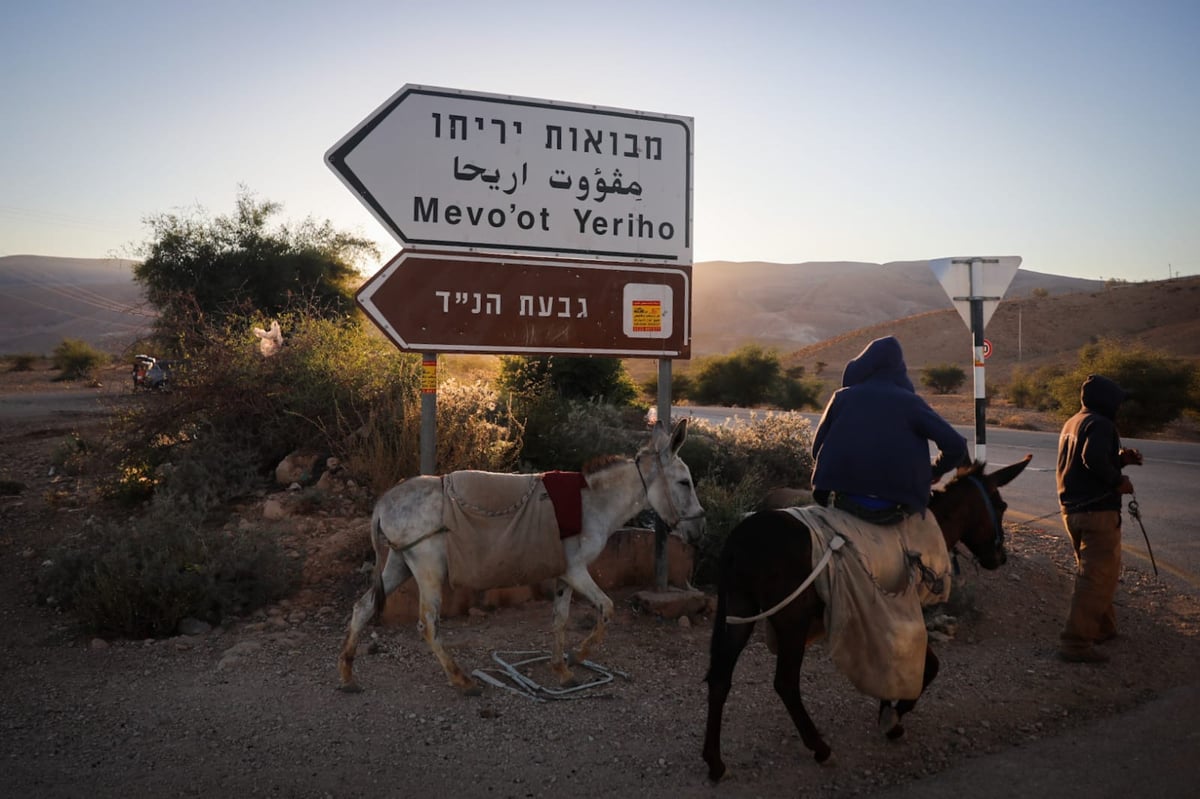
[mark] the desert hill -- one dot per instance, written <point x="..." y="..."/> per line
<point x="44" y="300"/>
<point x="811" y="313"/>
<point x="788" y="306"/>
<point x="1031" y="331"/>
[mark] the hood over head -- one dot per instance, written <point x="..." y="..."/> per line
<point x="882" y="358"/>
<point x="1102" y="395"/>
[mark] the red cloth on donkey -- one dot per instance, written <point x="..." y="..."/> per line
<point x="565" y="490"/>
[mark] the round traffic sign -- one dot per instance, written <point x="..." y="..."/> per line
<point x="987" y="349"/>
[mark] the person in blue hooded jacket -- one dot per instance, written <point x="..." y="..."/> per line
<point x="871" y="447"/>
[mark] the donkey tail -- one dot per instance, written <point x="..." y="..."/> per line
<point x="382" y="553"/>
<point x="719" y="644"/>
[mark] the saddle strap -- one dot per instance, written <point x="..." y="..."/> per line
<point x="835" y="543"/>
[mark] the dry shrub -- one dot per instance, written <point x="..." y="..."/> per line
<point x="140" y="579"/>
<point x="1014" y="422"/>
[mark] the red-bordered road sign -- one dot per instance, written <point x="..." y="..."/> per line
<point x="449" y="302"/>
<point x="987" y="349"/>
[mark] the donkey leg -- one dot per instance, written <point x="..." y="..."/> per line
<point x="562" y="611"/>
<point x="728" y="641"/>
<point x="430" y="584"/>
<point x="367" y="609"/>
<point x="791" y="634"/>
<point x="890" y="714"/>
<point x="582" y="581"/>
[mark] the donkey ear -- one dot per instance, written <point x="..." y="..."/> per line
<point x="1002" y="477"/>
<point x="678" y="435"/>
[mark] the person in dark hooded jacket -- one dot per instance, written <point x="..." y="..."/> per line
<point x="871" y="447"/>
<point x="1090" y="486"/>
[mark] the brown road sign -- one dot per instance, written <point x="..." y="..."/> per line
<point x="447" y="302"/>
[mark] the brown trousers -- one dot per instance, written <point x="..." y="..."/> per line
<point x="1096" y="537"/>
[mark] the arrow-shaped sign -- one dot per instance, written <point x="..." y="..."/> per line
<point x="451" y="170"/>
<point x="445" y="302"/>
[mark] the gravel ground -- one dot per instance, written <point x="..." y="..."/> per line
<point x="252" y="708"/>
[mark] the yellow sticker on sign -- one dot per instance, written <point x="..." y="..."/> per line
<point x="647" y="310"/>
<point x="647" y="316"/>
<point x="428" y="376"/>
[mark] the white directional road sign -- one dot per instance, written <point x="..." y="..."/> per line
<point x="453" y="170"/>
<point x="976" y="277"/>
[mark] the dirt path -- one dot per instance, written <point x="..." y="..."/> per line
<point x="251" y="708"/>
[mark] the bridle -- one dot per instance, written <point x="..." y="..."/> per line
<point x="998" y="540"/>
<point x="679" y="517"/>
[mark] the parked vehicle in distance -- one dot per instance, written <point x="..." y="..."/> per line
<point x="150" y="373"/>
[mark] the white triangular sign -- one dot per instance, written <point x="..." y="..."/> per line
<point x="976" y="277"/>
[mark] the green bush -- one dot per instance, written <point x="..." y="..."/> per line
<point x="772" y="448"/>
<point x="1161" y="385"/>
<point x="943" y="378"/>
<point x="589" y="379"/>
<point x="682" y="387"/>
<point x="797" y="393"/>
<point x="1031" y="388"/>
<point x="724" y="506"/>
<point x="734" y="465"/>
<point x="748" y="377"/>
<point x="142" y="578"/>
<point x="566" y="434"/>
<point x="22" y="363"/>
<point x="76" y="359"/>
<point x="336" y="388"/>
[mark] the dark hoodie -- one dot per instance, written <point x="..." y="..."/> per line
<point x="1089" y="450"/>
<point x="873" y="439"/>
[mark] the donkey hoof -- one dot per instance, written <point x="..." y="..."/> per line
<point x="896" y="732"/>
<point x="471" y="689"/>
<point x="350" y="688"/>
<point x="717" y="772"/>
<point x="822" y="753"/>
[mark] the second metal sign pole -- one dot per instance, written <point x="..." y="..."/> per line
<point x="660" y="528"/>
<point x="429" y="413"/>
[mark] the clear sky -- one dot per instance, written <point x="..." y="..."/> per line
<point x="1063" y="131"/>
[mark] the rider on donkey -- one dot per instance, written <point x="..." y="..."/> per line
<point x="871" y="448"/>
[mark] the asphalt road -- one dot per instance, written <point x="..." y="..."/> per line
<point x="60" y="404"/>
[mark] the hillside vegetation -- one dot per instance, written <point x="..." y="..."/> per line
<point x="1030" y="332"/>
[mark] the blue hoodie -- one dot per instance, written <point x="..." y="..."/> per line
<point x="873" y="438"/>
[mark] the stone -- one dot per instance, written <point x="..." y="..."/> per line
<point x="189" y="626"/>
<point x="672" y="603"/>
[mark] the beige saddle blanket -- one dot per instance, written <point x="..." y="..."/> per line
<point x="873" y="591"/>
<point x="501" y="530"/>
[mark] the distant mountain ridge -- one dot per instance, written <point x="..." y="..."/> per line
<point x="788" y="307"/>
<point x="44" y="300"/>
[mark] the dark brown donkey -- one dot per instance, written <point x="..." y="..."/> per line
<point x="769" y="554"/>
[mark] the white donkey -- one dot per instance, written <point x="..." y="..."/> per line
<point x="409" y="535"/>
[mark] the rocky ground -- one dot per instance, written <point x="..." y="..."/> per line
<point x="251" y="708"/>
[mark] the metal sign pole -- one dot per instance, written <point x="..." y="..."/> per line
<point x="429" y="413"/>
<point x="660" y="528"/>
<point x="977" y="325"/>
<point x="980" y="390"/>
